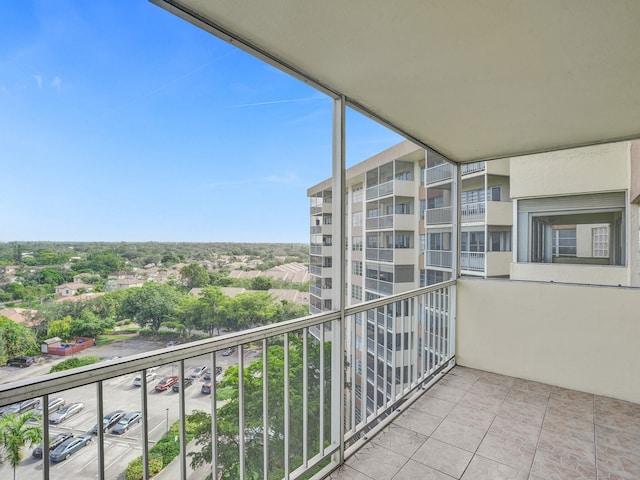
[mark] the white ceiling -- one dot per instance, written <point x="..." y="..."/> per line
<point x="473" y="79"/>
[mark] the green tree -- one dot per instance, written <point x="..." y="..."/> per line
<point x="60" y="328"/>
<point x="249" y="309"/>
<point x="16" y="339"/>
<point x="261" y="283"/>
<point x="194" y="276"/>
<point x="227" y="425"/>
<point x="90" y="325"/>
<point x="213" y="302"/>
<point x="16" y="433"/>
<point x="152" y="304"/>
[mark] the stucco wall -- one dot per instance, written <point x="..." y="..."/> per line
<point x="580" y="337"/>
<point x="598" y="168"/>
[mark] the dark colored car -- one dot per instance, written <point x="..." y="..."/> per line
<point x="69" y="447"/>
<point x="206" y="388"/>
<point x="228" y="351"/>
<point x="54" y="442"/>
<point x="207" y="374"/>
<point x="165" y="383"/>
<point x="109" y="420"/>
<point x="126" y="422"/>
<point x="187" y="383"/>
<point x="21" y="362"/>
<point x="66" y="412"/>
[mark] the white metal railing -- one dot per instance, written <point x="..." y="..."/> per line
<point x="439" y="173"/>
<point x="472" y="261"/>
<point x="375" y="223"/>
<point x="379" y="254"/>
<point x="439" y="258"/>
<point x="438" y="215"/>
<point x="473" y="212"/>
<point x="472" y="167"/>
<point x="379" y="190"/>
<point x="315" y="409"/>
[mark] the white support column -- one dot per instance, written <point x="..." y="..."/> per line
<point x="338" y="253"/>
<point x="457" y="219"/>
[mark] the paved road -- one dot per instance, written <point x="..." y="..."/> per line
<point x="119" y="394"/>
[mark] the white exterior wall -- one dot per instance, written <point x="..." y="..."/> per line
<point x="575" y="336"/>
<point x="599" y="168"/>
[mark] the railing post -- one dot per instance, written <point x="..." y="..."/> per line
<point x="338" y="252"/>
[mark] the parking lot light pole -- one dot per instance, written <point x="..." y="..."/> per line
<point x="167" y="420"/>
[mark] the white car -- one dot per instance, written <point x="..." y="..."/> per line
<point x="198" y="371"/>
<point x="137" y="382"/>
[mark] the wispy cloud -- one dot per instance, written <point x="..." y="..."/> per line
<point x="289" y="178"/>
<point x="38" y="79"/>
<point x="57" y="83"/>
<point x="274" y="102"/>
<point x="286" y="179"/>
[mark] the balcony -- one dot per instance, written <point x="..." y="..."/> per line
<point x="433" y="421"/>
<point x="474" y="167"/>
<point x="439" y="258"/>
<point x="472" y="261"/>
<point x="440" y="215"/>
<point x="440" y="173"/>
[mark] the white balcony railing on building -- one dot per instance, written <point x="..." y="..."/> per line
<point x="473" y="167"/>
<point x="315" y="249"/>
<point x="315" y="270"/>
<point x="472" y="261"/>
<point x="439" y="258"/>
<point x="313" y="418"/>
<point x="315" y="229"/>
<point x="473" y="212"/>
<point x="379" y="190"/>
<point x="438" y="215"/>
<point x="379" y="254"/>
<point x="379" y="286"/>
<point x="439" y="173"/>
<point x="377" y="223"/>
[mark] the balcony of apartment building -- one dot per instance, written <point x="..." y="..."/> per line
<point x="394" y="178"/>
<point x="532" y="378"/>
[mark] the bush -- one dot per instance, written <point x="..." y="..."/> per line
<point x="134" y="469"/>
<point x="74" y="363"/>
<point x="162" y="453"/>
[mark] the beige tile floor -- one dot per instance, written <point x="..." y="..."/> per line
<point x="476" y="425"/>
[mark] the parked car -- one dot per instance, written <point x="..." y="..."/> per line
<point x="198" y="372"/>
<point x="54" y="442"/>
<point x="206" y="388"/>
<point x="55" y="404"/>
<point x="109" y="420"/>
<point x="21" y="362"/>
<point x="22" y="407"/>
<point x="172" y="343"/>
<point x="165" y="383"/>
<point x="65" y="412"/>
<point x="69" y="447"/>
<point x="207" y="374"/>
<point x="126" y="422"/>
<point x="137" y="382"/>
<point x="187" y="383"/>
<point x="228" y="351"/>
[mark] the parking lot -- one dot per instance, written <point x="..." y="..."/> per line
<point x="118" y="394"/>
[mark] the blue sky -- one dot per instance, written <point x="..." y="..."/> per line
<point x="122" y="122"/>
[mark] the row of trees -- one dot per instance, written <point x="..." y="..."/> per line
<point x="140" y="254"/>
